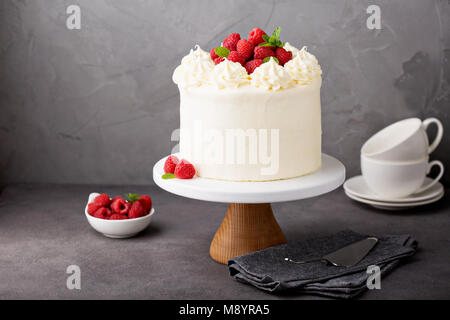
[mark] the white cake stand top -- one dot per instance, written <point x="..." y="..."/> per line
<point x="328" y="178"/>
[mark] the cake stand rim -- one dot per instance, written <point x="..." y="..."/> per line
<point x="328" y="178"/>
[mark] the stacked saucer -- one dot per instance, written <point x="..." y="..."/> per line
<point x="395" y="164"/>
<point x="357" y="189"/>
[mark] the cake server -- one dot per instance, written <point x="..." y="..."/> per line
<point x="345" y="257"/>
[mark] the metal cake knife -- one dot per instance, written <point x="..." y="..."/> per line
<point x="347" y="256"/>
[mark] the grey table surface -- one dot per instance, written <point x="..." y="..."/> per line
<point x="43" y="230"/>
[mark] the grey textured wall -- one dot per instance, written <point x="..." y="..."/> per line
<point x="97" y="105"/>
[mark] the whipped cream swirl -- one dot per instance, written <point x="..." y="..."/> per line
<point x="229" y="74"/>
<point x="195" y="69"/>
<point x="304" y="68"/>
<point x="271" y="76"/>
<point x="288" y="47"/>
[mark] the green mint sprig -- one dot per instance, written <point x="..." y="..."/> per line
<point x="267" y="59"/>
<point x="273" y="41"/>
<point x="132" y="197"/>
<point x="222" y="52"/>
<point x="168" y="176"/>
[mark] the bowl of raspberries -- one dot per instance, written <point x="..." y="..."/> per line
<point x="119" y="217"/>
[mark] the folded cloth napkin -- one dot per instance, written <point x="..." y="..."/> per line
<point x="267" y="270"/>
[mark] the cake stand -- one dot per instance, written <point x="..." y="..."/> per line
<point x="249" y="224"/>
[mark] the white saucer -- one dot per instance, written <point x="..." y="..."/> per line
<point x="394" y="205"/>
<point x="357" y="187"/>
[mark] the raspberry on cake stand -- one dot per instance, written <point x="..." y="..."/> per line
<point x="249" y="224"/>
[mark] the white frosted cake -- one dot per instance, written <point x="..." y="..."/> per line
<point x="241" y="124"/>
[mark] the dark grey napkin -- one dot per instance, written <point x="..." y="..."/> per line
<point x="267" y="270"/>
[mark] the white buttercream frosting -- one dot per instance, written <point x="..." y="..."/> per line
<point x="229" y="74"/>
<point x="284" y="125"/>
<point x="271" y="76"/>
<point x="288" y="47"/>
<point x="196" y="54"/>
<point x="195" y="69"/>
<point x="198" y="69"/>
<point x="304" y="68"/>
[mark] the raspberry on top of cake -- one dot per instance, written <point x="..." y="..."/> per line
<point x="261" y="61"/>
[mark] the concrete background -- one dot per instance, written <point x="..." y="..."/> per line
<point x="98" y="105"/>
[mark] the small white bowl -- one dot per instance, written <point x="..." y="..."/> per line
<point x="126" y="228"/>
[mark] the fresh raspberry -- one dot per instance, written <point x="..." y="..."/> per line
<point x="245" y="48"/>
<point x="170" y="164"/>
<point x="251" y="65"/>
<point x="136" y="211"/>
<point x="108" y="213"/>
<point x="92" y="207"/>
<point x="283" y="55"/>
<point x="102" y="213"/>
<point x="213" y="54"/>
<point x="263" y="52"/>
<point x="118" y="216"/>
<point x="146" y="202"/>
<point x="218" y="60"/>
<point x="115" y="198"/>
<point x="99" y="214"/>
<point x="120" y="206"/>
<point x="184" y="170"/>
<point x="102" y="199"/>
<point x="231" y="41"/>
<point x="255" y="36"/>
<point x="236" y="57"/>
<point x="269" y="47"/>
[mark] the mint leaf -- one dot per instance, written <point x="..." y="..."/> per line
<point x="274" y="40"/>
<point x="167" y="176"/>
<point x="132" y="197"/>
<point x="267" y="59"/>
<point x="276" y="33"/>
<point x="265" y="37"/>
<point x="222" y="52"/>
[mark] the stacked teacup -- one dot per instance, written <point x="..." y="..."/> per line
<point x="395" y="161"/>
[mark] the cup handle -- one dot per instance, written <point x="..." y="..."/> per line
<point x="439" y="134"/>
<point x="432" y="183"/>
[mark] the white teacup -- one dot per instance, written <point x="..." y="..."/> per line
<point x="398" y="179"/>
<point x="404" y="140"/>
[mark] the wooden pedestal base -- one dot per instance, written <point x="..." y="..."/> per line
<point x="245" y="228"/>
